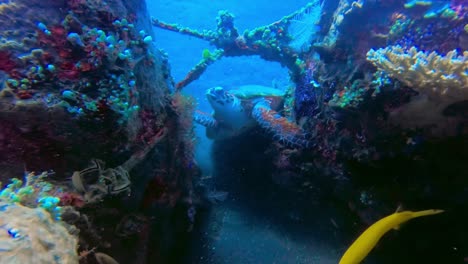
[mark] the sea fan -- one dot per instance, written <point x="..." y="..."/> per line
<point x="303" y="26"/>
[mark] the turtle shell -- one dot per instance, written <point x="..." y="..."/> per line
<point x="248" y="93"/>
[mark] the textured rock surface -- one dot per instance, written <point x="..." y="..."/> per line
<point x="40" y="128"/>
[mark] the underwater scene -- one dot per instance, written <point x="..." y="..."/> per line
<point x="233" y="132"/>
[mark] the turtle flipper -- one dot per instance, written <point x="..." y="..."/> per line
<point x="205" y="120"/>
<point x="282" y="128"/>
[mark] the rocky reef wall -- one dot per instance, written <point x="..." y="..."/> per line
<point x="85" y="96"/>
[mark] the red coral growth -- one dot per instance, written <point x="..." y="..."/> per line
<point x="68" y="71"/>
<point x="34" y="148"/>
<point x="58" y="32"/>
<point x="16" y="74"/>
<point x="271" y="117"/>
<point x="56" y="39"/>
<point x="71" y="199"/>
<point x="47" y="58"/>
<point x="7" y="64"/>
<point x="149" y="128"/>
<point x="85" y="66"/>
<point x="24" y="94"/>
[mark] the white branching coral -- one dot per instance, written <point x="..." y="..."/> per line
<point x="441" y="78"/>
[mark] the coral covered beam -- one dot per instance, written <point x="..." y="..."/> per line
<point x="206" y="35"/>
<point x="200" y="68"/>
<point x="274" y="42"/>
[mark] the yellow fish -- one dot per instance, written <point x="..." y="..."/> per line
<point x="367" y="240"/>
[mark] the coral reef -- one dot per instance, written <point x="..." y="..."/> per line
<point x="442" y="78"/>
<point x="387" y="121"/>
<point x="31" y="219"/>
<point x="81" y="81"/>
<point x="35" y="192"/>
<point x="439" y="80"/>
<point x="81" y="67"/>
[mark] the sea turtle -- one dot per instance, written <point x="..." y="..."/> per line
<point x="241" y="109"/>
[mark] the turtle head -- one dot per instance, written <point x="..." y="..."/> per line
<point x="219" y="98"/>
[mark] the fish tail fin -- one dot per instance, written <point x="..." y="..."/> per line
<point x="426" y="212"/>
